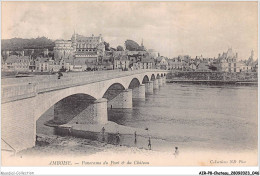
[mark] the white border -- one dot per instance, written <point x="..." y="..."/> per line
<point x="130" y="170"/>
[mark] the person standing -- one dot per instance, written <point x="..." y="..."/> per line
<point x="176" y="153"/>
<point x="59" y="74"/>
<point x="103" y="133"/>
<point x="149" y="144"/>
<point x="103" y="130"/>
<point x="117" y="138"/>
<point x="135" y="137"/>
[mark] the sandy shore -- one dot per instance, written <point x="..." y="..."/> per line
<point x="85" y="152"/>
<point x="110" y="127"/>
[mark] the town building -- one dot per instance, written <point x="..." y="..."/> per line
<point x="84" y="51"/>
<point x="228" y="61"/>
<point x="255" y="67"/>
<point x="42" y="64"/>
<point x="145" y="63"/>
<point x="153" y="53"/>
<point x="161" y="63"/>
<point x="17" y="64"/>
<point x="193" y="67"/>
<point x="203" y="66"/>
<point x="32" y="66"/>
<point x="175" y="64"/>
<point x="6" y="53"/>
<point x="63" y="49"/>
<point x="248" y="65"/>
<point x="244" y="67"/>
<point x="88" y="49"/>
<point x="121" y="62"/>
<point x="36" y="52"/>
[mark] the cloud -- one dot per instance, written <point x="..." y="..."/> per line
<point x="172" y="28"/>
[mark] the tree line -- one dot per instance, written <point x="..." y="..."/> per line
<point x="43" y="42"/>
<point x="20" y="43"/>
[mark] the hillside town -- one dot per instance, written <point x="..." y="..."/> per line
<point x="92" y="53"/>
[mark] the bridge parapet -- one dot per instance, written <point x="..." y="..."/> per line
<point x="18" y="91"/>
<point x="10" y="93"/>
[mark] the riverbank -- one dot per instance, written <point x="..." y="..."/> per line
<point x="246" y="78"/>
<point x="70" y="151"/>
<point x="212" y="82"/>
<point x="109" y="128"/>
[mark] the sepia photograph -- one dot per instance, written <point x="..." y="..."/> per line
<point x="129" y="84"/>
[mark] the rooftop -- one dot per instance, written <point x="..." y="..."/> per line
<point x="13" y="58"/>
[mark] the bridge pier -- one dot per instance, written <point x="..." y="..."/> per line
<point x="164" y="80"/>
<point x="139" y="92"/>
<point x="18" y="130"/>
<point x="100" y="111"/>
<point x="94" y="113"/>
<point x="149" y="87"/>
<point x="156" y="84"/>
<point x="160" y="81"/>
<point x="122" y="101"/>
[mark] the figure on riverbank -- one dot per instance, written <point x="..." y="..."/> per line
<point x="103" y="130"/>
<point x="149" y="144"/>
<point x="176" y="153"/>
<point x="103" y="133"/>
<point x="59" y="75"/>
<point x="117" y="138"/>
<point x="135" y="138"/>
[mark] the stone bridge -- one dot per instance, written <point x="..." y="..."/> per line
<point x="25" y="100"/>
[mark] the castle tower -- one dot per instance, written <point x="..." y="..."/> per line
<point x="252" y="54"/>
<point x="74" y="42"/>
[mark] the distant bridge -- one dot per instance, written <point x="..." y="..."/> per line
<point x="25" y="100"/>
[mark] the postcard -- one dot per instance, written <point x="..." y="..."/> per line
<point x="138" y="84"/>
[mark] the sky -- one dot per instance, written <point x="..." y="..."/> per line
<point x="171" y="28"/>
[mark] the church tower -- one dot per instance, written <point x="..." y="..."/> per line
<point x="252" y="54"/>
<point x="251" y="58"/>
<point x="74" y="41"/>
<point x="142" y="45"/>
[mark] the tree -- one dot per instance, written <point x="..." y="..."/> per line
<point x="132" y="45"/>
<point x="107" y="48"/>
<point x="119" y="48"/>
<point x="19" y="43"/>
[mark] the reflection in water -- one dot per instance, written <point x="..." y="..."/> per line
<point x="187" y="116"/>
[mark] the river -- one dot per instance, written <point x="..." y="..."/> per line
<point x="189" y="116"/>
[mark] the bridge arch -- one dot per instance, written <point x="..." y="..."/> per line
<point x="113" y="90"/>
<point x="152" y="77"/>
<point x="145" y="79"/>
<point x="43" y="103"/>
<point x="134" y="83"/>
<point x="67" y="108"/>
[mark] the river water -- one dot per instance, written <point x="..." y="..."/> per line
<point x="197" y="117"/>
